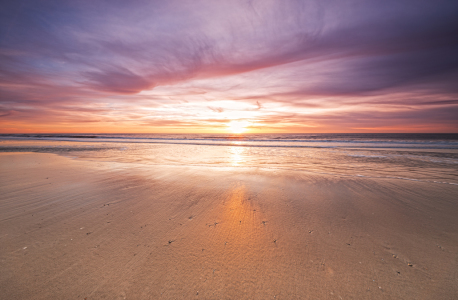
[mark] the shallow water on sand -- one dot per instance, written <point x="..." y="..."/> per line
<point x="423" y="158"/>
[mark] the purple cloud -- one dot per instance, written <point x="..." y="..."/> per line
<point x="294" y="54"/>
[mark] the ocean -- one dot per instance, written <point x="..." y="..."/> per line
<point x="420" y="157"/>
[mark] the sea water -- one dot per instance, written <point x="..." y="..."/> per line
<point x="422" y="157"/>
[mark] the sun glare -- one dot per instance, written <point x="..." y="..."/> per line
<point x="237" y="126"/>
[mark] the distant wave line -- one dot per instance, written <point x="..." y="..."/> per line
<point x="246" y="142"/>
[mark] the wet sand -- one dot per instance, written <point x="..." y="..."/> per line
<point x="74" y="229"/>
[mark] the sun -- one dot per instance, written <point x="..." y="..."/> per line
<point x="237" y="126"/>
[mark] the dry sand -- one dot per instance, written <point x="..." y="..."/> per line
<point x="72" y="229"/>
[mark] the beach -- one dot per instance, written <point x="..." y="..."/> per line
<point x="296" y="149"/>
<point x="85" y="226"/>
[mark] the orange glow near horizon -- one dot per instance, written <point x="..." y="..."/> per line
<point x="228" y="128"/>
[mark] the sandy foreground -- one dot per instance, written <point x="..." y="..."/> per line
<point x="74" y="229"/>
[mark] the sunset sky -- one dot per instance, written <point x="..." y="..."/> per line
<point x="221" y="66"/>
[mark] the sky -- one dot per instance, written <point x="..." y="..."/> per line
<point x="228" y="66"/>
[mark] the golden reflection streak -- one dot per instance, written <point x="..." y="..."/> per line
<point x="242" y="227"/>
<point x="237" y="154"/>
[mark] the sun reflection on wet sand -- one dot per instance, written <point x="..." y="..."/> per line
<point x="245" y="240"/>
<point x="232" y="250"/>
